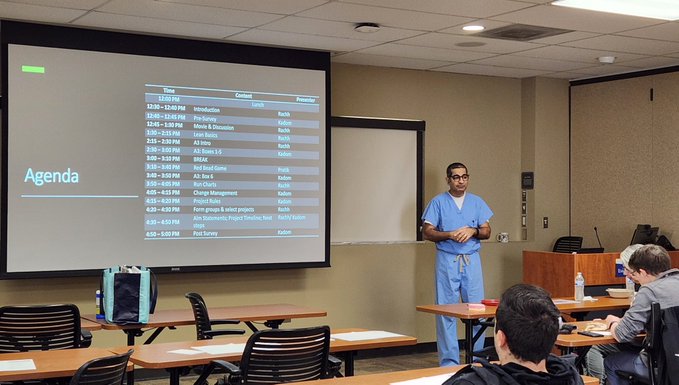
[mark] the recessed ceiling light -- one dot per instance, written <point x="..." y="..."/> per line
<point x="470" y="44"/>
<point x="654" y="9"/>
<point x="473" y="28"/>
<point x="367" y="27"/>
<point x="606" y="59"/>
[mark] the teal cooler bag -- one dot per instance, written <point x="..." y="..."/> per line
<point x="129" y="294"/>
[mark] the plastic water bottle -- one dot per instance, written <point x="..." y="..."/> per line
<point x="579" y="287"/>
<point x="629" y="285"/>
<point x="97" y="304"/>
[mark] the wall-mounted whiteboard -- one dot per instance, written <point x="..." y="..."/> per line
<point x="376" y="180"/>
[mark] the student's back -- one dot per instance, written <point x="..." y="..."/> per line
<point x="560" y="372"/>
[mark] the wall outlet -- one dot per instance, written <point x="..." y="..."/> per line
<point x="545" y="222"/>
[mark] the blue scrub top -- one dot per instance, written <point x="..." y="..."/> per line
<point x="443" y="213"/>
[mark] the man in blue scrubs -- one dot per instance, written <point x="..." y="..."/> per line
<point x="457" y="221"/>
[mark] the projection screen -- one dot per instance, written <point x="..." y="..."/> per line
<point x="175" y="154"/>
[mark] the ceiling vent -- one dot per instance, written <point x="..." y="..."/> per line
<point x="521" y="32"/>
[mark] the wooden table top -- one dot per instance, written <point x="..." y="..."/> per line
<point x="575" y="340"/>
<point x="404" y="375"/>
<point x="51" y="363"/>
<point x="158" y="356"/>
<point x="89" y="325"/>
<point x="179" y="317"/>
<point x="462" y="311"/>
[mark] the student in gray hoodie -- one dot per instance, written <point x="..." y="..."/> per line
<point x="526" y="327"/>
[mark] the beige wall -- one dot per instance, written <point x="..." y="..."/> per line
<point x="497" y="126"/>
<point x="624" y="154"/>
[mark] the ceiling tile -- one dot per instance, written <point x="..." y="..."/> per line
<point x="282" y="7"/>
<point x="387" y="61"/>
<point x="664" y="31"/>
<point x="444" y="40"/>
<point x="627" y="44"/>
<point x="158" y="26"/>
<point x="73" y="4"/>
<point x="38" y="13"/>
<point x="583" y="55"/>
<point x="181" y="12"/>
<point x="532" y="63"/>
<point x="466" y="8"/>
<point x="389" y="17"/>
<point x="565" y="37"/>
<point x="286" y="39"/>
<point x="608" y="69"/>
<point x="344" y="29"/>
<point x="476" y="69"/>
<point x="653" y="62"/>
<point x="575" y="19"/>
<point x="412" y="51"/>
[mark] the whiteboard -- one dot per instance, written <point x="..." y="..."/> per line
<point x="376" y="180"/>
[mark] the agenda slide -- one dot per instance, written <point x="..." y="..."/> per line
<point x="173" y="163"/>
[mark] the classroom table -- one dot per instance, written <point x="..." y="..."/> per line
<point x="52" y="363"/>
<point x="580" y="344"/>
<point x="86" y="324"/>
<point x="158" y="356"/>
<point x="405" y="375"/>
<point x="273" y="315"/>
<point x="484" y="318"/>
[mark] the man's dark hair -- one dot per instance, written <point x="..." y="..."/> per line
<point x="530" y="320"/>
<point x="652" y="258"/>
<point x="449" y="169"/>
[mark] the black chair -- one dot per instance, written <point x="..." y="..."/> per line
<point x="568" y="244"/>
<point x="653" y="346"/>
<point x="41" y="327"/>
<point x="281" y="355"/>
<point x="204" y="325"/>
<point x="108" y="370"/>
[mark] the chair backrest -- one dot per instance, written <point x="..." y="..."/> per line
<point x="653" y="341"/>
<point x="200" y="314"/>
<point x="108" y="370"/>
<point x="39" y="327"/>
<point x="286" y="355"/>
<point x="567" y="244"/>
<point x="664" y="354"/>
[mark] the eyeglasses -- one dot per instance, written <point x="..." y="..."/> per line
<point x="458" y="177"/>
<point x="630" y="272"/>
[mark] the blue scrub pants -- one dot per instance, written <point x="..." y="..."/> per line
<point x="455" y="279"/>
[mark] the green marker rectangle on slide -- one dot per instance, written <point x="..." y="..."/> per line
<point x="33" y="69"/>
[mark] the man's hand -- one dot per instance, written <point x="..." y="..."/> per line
<point x="462" y="234"/>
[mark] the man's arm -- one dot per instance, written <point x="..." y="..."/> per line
<point x="461" y="235"/>
<point x="430" y="233"/>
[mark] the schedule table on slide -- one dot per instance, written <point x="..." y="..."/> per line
<point x="231" y="163"/>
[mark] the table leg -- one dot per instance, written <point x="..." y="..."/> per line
<point x="349" y="363"/>
<point x="468" y="340"/>
<point x="174" y="376"/>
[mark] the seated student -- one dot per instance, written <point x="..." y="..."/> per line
<point x="649" y="266"/>
<point x="526" y="327"/>
<point x="594" y="361"/>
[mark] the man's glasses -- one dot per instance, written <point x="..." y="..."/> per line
<point x="458" y="177"/>
<point x="630" y="272"/>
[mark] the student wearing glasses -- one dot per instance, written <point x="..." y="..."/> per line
<point x="650" y="267"/>
<point x="457" y="221"/>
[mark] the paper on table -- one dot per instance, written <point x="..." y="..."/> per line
<point x="432" y="380"/>
<point x="559" y="301"/>
<point x="366" y="335"/>
<point x="14" y="365"/>
<point x="221" y="349"/>
<point x="185" y="351"/>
